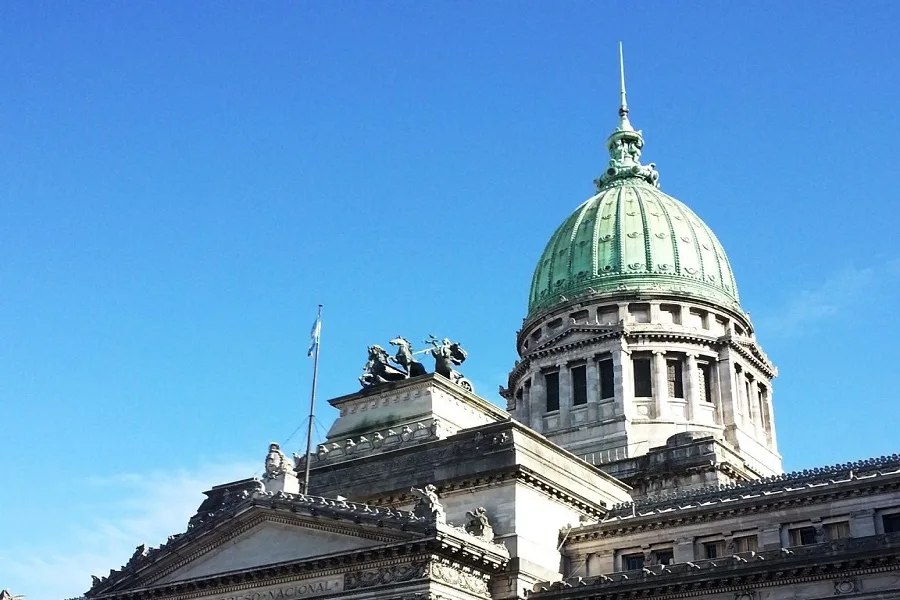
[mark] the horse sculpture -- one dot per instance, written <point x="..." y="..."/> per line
<point x="378" y="369"/>
<point x="446" y="355"/>
<point x="404" y="357"/>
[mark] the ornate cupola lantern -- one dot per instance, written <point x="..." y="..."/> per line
<point x="635" y="332"/>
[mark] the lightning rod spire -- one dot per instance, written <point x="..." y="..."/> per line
<point x="624" y="124"/>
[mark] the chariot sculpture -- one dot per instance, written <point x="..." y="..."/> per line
<point x="381" y="367"/>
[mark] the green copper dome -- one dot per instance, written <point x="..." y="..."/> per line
<point x="631" y="238"/>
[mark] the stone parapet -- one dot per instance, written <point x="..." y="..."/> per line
<point x="745" y="571"/>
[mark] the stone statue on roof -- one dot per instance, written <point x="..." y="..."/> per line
<point x="378" y="368"/>
<point x="429" y="505"/>
<point x="276" y="462"/>
<point x="447" y="355"/>
<point x="479" y="525"/>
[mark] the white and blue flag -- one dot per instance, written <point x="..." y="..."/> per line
<point x="314" y="335"/>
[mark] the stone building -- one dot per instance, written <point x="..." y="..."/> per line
<point x="636" y="458"/>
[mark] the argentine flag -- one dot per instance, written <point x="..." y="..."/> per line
<point x="314" y="335"/>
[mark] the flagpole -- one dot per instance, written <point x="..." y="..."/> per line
<point x="312" y="401"/>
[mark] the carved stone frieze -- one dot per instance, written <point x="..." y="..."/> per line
<point x="464" y="580"/>
<point x="845" y="586"/>
<point x="385" y="576"/>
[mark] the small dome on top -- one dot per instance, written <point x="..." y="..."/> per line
<point x="632" y="238"/>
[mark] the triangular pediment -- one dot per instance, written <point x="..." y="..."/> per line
<point x="575" y="335"/>
<point x="259" y="530"/>
<point x="265" y="543"/>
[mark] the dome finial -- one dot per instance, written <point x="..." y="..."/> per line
<point x="625" y="145"/>
<point x="624" y="124"/>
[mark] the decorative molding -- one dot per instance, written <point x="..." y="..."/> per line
<point x="807" y="478"/>
<point x="456" y="576"/>
<point x="385" y="576"/>
<point x="301" y="510"/>
<point x="741" y="574"/>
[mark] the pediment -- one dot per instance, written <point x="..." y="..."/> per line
<point x="574" y="335"/>
<point x="268" y="542"/>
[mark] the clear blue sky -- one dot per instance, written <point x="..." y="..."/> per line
<point x="182" y="182"/>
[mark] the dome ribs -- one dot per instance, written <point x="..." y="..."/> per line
<point x="663" y="202"/>
<point x="696" y="243"/>
<point x="619" y="266"/>
<point x="645" y="231"/>
<point x="576" y="254"/>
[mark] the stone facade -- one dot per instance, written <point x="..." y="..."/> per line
<point x="704" y="373"/>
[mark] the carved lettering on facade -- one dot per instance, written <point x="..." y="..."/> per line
<point x="302" y="589"/>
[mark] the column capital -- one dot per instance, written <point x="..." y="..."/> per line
<point x="659" y="352"/>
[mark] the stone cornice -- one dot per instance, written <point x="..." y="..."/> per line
<point x="236" y="515"/>
<point x="749" y="351"/>
<point x="471" y="444"/>
<point x="602" y="332"/>
<point x="446" y="546"/>
<point x="422" y="382"/>
<point x="804" y="488"/>
<point x="274" y="574"/>
<point x="740" y="573"/>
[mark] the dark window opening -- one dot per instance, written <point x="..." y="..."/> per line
<point x="837" y="531"/>
<point x="642" y="381"/>
<point x="803" y="536"/>
<point x="714" y="549"/>
<point x="664" y="557"/>
<point x="579" y="385"/>
<point x="632" y="562"/>
<point x="746" y="543"/>
<point x="705" y="382"/>
<point x="607" y="384"/>
<point x="675" y="377"/>
<point x="552" y="380"/>
<point x="891" y="523"/>
<point x="579" y="317"/>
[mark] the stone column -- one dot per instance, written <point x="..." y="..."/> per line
<point x="752" y="402"/>
<point x="623" y="381"/>
<point x="770" y="416"/>
<point x="525" y="417"/>
<point x="593" y="390"/>
<point x="740" y="403"/>
<point x="538" y="402"/>
<point x="565" y="396"/>
<point x="660" y="383"/>
<point x="693" y="387"/>
<point x="623" y="313"/>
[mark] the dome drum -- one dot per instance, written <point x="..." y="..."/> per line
<point x="635" y="332"/>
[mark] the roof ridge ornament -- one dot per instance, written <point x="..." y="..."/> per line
<point x="625" y="146"/>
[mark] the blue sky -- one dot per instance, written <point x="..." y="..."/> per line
<point x="181" y="183"/>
